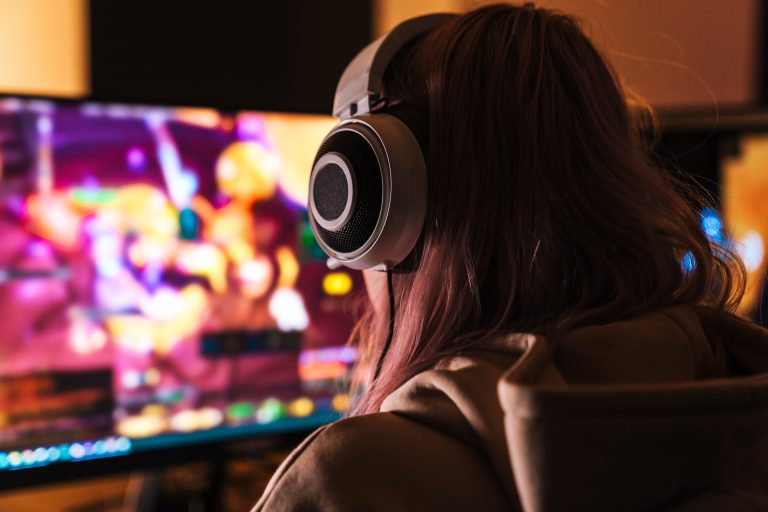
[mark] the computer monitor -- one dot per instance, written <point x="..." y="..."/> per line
<point x="726" y="152"/>
<point x="744" y="175"/>
<point x="160" y="286"/>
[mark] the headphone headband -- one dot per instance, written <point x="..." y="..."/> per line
<point x="361" y="84"/>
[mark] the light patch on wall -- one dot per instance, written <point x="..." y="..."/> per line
<point x="43" y="47"/>
<point x="673" y="54"/>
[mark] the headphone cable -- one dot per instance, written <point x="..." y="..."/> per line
<point x="391" y="292"/>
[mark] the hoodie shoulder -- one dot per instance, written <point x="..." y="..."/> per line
<point x="695" y="444"/>
<point x="664" y="346"/>
<point x="383" y="461"/>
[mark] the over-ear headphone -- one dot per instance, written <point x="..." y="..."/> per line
<point x="368" y="185"/>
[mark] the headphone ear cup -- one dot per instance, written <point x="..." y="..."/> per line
<point x="367" y="196"/>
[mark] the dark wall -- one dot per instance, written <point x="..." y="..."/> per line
<point x="694" y="156"/>
<point x="283" y="55"/>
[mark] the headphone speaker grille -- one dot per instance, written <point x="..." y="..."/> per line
<point x="330" y="192"/>
<point x="368" y="180"/>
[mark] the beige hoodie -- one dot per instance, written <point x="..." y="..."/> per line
<point x="665" y="412"/>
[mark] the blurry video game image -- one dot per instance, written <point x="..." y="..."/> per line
<point x="158" y="276"/>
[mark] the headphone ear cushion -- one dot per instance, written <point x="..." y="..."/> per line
<point x="346" y="161"/>
<point x="375" y="164"/>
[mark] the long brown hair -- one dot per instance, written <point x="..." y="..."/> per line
<point x="544" y="213"/>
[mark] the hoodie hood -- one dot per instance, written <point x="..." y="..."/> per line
<point x="666" y="410"/>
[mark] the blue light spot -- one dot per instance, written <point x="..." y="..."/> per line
<point x="712" y="224"/>
<point x="99" y="448"/>
<point x="188" y="183"/>
<point x="689" y="262"/>
<point x="41" y="454"/>
<point x="169" y="158"/>
<point x="14" y="458"/>
<point x="108" y="267"/>
<point x="77" y="451"/>
<point x="123" y="444"/>
<point x="54" y="453"/>
<point x="28" y="457"/>
<point x="189" y="224"/>
<point x="63" y="452"/>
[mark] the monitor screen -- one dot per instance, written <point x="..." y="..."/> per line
<point x="159" y="282"/>
<point x="744" y="178"/>
<point x="728" y="159"/>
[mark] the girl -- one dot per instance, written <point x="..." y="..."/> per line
<point x="563" y="293"/>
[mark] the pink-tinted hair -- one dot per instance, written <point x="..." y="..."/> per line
<point x="544" y="213"/>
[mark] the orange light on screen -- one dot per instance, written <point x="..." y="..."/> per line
<point x="142" y="425"/>
<point x="247" y="172"/>
<point x="301" y="407"/>
<point x="190" y="420"/>
<point x="146" y="209"/>
<point x="203" y="117"/>
<point x="289" y="267"/>
<point x="240" y="251"/>
<point x="54" y="218"/>
<point x="340" y="402"/>
<point x="322" y="371"/>
<point x="205" y="260"/>
<point x="229" y="224"/>
<point x="203" y="208"/>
